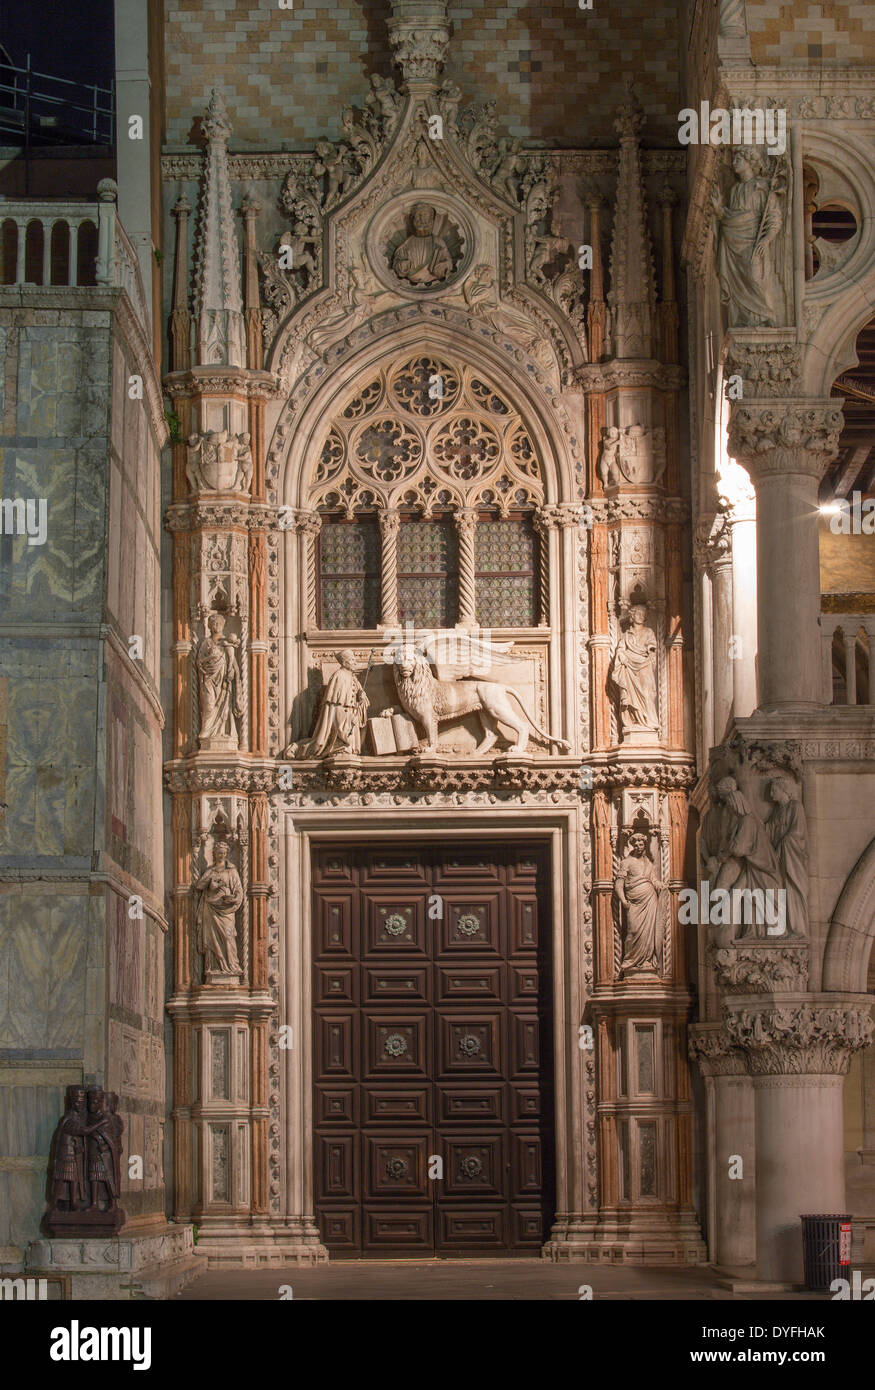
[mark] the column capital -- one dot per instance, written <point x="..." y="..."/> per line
<point x="713" y="1050"/>
<point x="308" y="523"/>
<point x="775" y="437"/>
<point x="798" y="1037"/>
<point x="466" y="517"/>
<point x="390" y="520"/>
<point x="713" y="542"/>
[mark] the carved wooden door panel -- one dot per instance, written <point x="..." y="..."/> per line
<point x="432" y="1070"/>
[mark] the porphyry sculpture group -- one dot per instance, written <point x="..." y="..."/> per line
<point x="85" y="1165"/>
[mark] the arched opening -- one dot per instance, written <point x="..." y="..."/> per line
<point x="33" y="252"/>
<point x="86" y="254"/>
<point x="9" y="252"/>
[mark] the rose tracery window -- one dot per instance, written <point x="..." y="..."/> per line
<point x="427" y="482"/>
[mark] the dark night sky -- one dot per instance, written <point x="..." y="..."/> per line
<point x="65" y="38"/>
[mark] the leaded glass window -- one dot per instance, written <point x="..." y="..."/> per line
<point x="506" y="576"/>
<point x="427" y="572"/>
<point x="349" y="573"/>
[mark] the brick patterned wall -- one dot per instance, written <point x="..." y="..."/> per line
<point x="555" y="71"/>
<point x="836" y="32"/>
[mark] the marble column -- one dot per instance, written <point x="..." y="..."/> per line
<point x="730" y="1141"/>
<point x="798" y="1050"/>
<point x="786" y="446"/>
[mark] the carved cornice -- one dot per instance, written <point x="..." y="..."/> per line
<point x="187" y="165"/>
<point x="251" y="385"/>
<point x="775" y="437"/>
<point x="408" y="777"/>
<point x="762" y="968"/>
<point x="672" y="511"/>
<point x="606" y="376"/>
<point x="799" y="1039"/>
<point x="220" y="515"/>
<point x="665" y="776"/>
<point x="235" y="775"/>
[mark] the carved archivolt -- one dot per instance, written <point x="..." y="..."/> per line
<point x="427" y="433"/>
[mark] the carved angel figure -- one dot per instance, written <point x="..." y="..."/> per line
<point x="747" y="233"/>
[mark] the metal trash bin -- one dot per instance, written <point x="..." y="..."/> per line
<point x="826" y="1250"/>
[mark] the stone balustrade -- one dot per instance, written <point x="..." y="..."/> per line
<point x="856" y="634"/>
<point x="69" y="243"/>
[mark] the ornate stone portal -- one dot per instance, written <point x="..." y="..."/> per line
<point x="429" y="394"/>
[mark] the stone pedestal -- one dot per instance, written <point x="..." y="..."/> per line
<point x="150" y="1264"/>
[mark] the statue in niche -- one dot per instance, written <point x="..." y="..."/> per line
<point x="219" y="897"/>
<point x="633" y="674"/>
<point x="641" y="894"/>
<point x="218" y="683"/>
<point x="85" y="1158"/>
<point x="745" y="859"/>
<point x="749" y="237"/>
<point x="342" y="714"/>
<point x="788" y="833"/>
<point x="423" y="258"/>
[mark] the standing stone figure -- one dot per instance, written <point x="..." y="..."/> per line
<point x="67" y="1183"/>
<point x="640" y="891"/>
<point x="218" y="682"/>
<point x="86" y="1153"/>
<point x="422" y="259"/>
<point x="788" y="832"/>
<point x="220" y="895"/>
<point x="102" y="1159"/>
<point x="633" y="674"/>
<point x="342" y="715"/>
<point x="747" y="232"/>
<point x="747" y="858"/>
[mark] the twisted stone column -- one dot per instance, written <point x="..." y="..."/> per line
<point x="389" y="524"/>
<point x="786" y="446"/>
<point x="466" y="520"/>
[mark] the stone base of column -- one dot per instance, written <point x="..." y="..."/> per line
<point x="153" y="1264"/>
<point x="237" y="1243"/>
<point x="630" y="1238"/>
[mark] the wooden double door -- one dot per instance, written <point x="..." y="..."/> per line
<point x="433" y="1099"/>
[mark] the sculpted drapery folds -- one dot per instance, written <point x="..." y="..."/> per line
<point x="423" y="258"/>
<point x="633" y="673"/>
<point x="218" y="682"/>
<point x="788" y="832"/>
<point x="747" y="237"/>
<point x="640" y="892"/>
<point x="343" y="713"/>
<point x="745" y="859"/>
<point x="219" y="897"/>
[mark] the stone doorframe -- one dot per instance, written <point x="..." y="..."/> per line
<point x="300" y="829"/>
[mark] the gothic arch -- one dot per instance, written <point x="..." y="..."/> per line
<point x="554" y="440"/>
<point x="852" y="929"/>
<point x="846" y="295"/>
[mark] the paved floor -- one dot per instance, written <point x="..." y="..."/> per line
<point x="471" y="1280"/>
